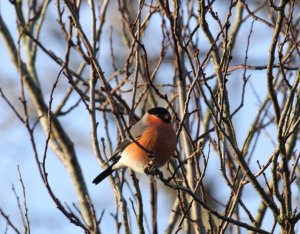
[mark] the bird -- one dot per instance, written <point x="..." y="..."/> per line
<point x="151" y="143"/>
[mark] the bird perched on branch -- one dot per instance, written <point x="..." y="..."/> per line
<point x="151" y="143"/>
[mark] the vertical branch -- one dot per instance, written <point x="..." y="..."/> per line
<point x="26" y="224"/>
<point x="286" y="215"/>
<point x="153" y="203"/>
<point x="137" y="58"/>
<point x="93" y="26"/>
<point x="224" y="113"/>
<point x="176" y="22"/>
<point x="138" y="195"/>
<point x="92" y="84"/>
<point x="96" y="72"/>
<point x="270" y="77"/>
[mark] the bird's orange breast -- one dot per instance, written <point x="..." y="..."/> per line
<point x="160" y="142"/>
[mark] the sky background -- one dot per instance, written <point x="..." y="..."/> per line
<point x="16" y="149"/>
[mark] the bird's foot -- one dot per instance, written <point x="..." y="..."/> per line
<point x="151" y="170"/>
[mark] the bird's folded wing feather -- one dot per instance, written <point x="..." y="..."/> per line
<point x="135" y="131"/>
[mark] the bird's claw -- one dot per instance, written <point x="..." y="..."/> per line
<point x="150" y="170"/>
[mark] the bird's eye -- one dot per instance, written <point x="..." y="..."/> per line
<point x="167" y="117"/>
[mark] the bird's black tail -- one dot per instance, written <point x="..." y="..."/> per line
<point x="103" y="175"/>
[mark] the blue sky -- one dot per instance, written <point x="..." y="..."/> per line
<point x="16" y="150"/>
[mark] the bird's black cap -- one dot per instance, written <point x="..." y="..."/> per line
<point x="161" y="113"/>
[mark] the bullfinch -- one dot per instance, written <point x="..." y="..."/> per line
<point x="152" y="143"/>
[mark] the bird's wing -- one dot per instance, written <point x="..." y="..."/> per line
<point x="136" y="131"/>
<point x="119" y="149"/>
